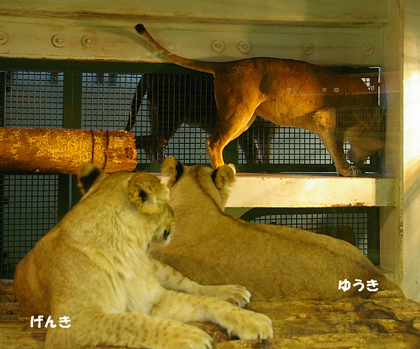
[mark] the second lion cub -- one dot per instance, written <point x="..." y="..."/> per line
<point x="93" y="269"/>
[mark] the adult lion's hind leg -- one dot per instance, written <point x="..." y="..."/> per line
<point x="190" y="308"/>
<point x="134" y="330"/>
<point x="236" y="112"/>
<point x="228" y="128"/>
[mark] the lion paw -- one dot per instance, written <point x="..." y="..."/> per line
<point x="249" y="325"/>
<point x="351" y="171"/>
<point x="193" y="339"/>
<point x="235" y="294"/>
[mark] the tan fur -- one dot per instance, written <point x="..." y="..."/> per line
<point x="273" y="262"/>
<point x="93" y="267"/>
<point x="290" y="93"/>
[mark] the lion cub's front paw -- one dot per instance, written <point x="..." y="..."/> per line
<point x="194" y="338"/>
<point x="235" y="294"/>
<point x="249" y="325"/>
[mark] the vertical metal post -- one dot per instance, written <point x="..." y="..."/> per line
<point x="2" y="112"/>
<point x="2" y="97"/>
<point x="72" y="118"/>
<point x="373" y="231"/>
<point x="72" y="108"/>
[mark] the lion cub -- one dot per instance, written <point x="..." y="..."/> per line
<point x="93" y="269"/>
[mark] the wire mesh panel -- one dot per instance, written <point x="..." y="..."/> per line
<point x="28" y="202"/>
<point x="285" y="146"/>
<point x="29" y="211"/>
<point x="181" y="112"/>
<point x="170" y="113"/>
<point x="298" y="149"/>
<point x="33" y="99"/>
<point x="106" y="99"/>
<point x="173" y="114"/>
<point x="356" y="225"/>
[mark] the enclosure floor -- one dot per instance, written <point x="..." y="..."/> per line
<point x="347" y="323"/>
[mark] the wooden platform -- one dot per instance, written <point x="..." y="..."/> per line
<point x="349" y="323"/>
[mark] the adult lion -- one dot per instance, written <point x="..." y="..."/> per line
<point x="338" y="108"/>
<point x="189" y="99"/>
<point x="273" y="262"/>
<point x="92" y="271"/>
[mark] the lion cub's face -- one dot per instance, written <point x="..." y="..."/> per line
<point x="151" y="197"/>
<point x="144" y="192"/>
<point x="215" y="184"/>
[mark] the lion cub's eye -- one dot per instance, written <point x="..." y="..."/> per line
<point x="166" y="234"/>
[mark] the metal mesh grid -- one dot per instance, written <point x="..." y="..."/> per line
<point x="358" y="226"/>
<point x="285" y="145"/>
<point x="289" y="145"/>
<point x="106" y="99"/>
<point x="163" y="108"/>
<point x="174" y="113"/>
<point x="33" y="99"/>
<point x="29" y="211"/>
<point x="177" y="108"/>
<point x="28" y="202"/>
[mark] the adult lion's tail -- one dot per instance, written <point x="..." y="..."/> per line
<point x="206" y="67"/>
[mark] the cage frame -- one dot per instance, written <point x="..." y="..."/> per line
<point x="72" y="118"/>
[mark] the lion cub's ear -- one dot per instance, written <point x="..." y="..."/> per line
<point x="224" y="176"/>
<point x="147" y="193"/>
<point x="171" y="171"/>
<point x="88" y="173"/>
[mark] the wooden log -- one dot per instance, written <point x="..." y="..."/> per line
<point x="7" y="291"/>
<point x="64" y="150"/>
